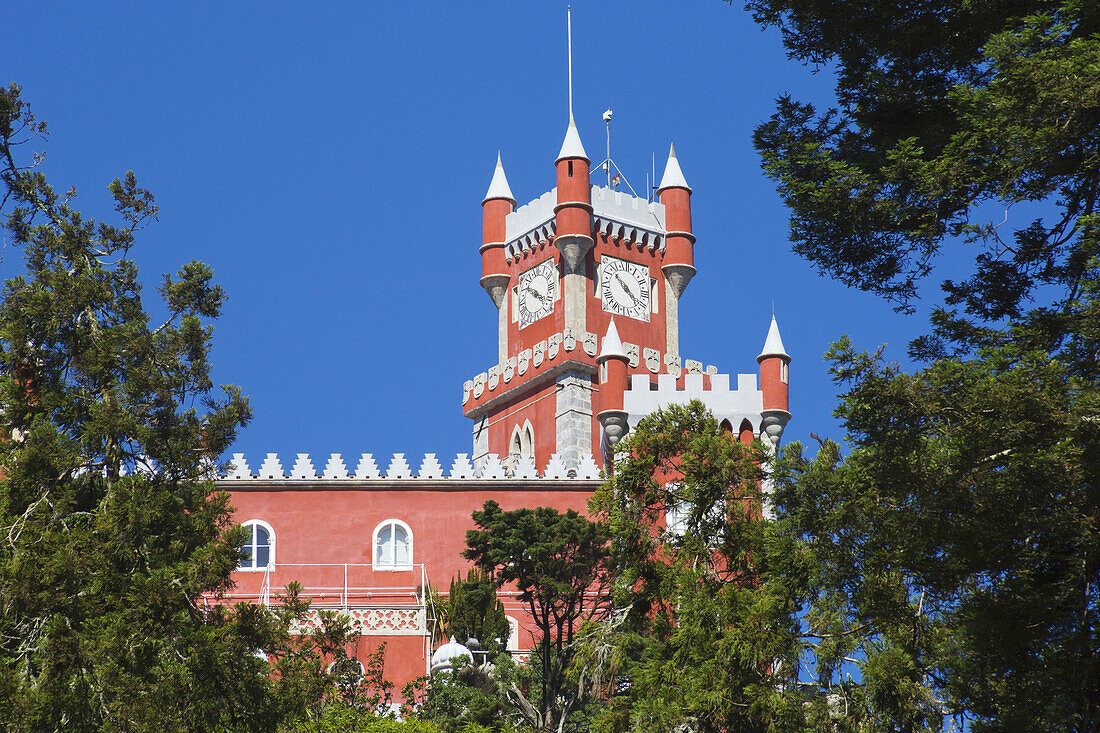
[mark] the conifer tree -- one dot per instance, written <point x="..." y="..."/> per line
<point x="110" y="529"/>
<point x="965" y="518"/>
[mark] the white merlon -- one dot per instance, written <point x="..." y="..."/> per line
<point x="498" y="187"/>
<point x="462" y="469"/>
<point x="303" y="468"/>
<point x="525" y="468"/>
<point x="618" y="207"/>
<point x="238" y="468"/>
<point x="399" y="467"/>
<point x="773" y="344"/>
<point x="335" y="468"/>
<point x="673" y="177"/>
<point x="367" y="468"/>
<point x="492" y="468"/>
<point x="571" y="147"/>
<point x="588" y="468"/>
<point x="556" y="468"/>
<point x="430" y="468"/>
<point x="746" y="402"/>
<point x="271" y="468"/>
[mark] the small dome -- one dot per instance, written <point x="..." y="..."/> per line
<point x="445" y="656"/>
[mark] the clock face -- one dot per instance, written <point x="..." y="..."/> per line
<point x="624" y="287"/>
<point x="536" y="293"/>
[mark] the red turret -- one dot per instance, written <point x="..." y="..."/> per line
<point x="613" y="384"/>
<point x="774" y="379"/>
<point x="675" y="195"/>
<point x="573" y="213"/>
<point x="495" y="208"/>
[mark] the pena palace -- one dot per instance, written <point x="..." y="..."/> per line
<point x="586" y="283"/>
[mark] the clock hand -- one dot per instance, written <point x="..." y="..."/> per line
<point x="626" y="287"/>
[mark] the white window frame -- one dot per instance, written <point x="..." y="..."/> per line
<point x="254" y="568"/>
<point x="391" y="567"/>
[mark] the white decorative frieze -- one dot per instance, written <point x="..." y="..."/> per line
<point x="553" y="345"/>
<point x="524" y="361"/>
<point x="569" y="339"/>
<point x="652" y="360"/>
<point x="631" y="353"/>
<point x="590" y="343"/>
<point x="409" y="621"/>
<point x="693" y="367"/>
<point x="538" y="352"/>
<point x="431" y="468"/>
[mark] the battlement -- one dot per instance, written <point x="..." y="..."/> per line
<point x="492" y="468"/>
<point x="746" y="402"/>
<point x="616" y="215"/>
<point x="530" y="224"/>
<point x="544" y="355"/>
<point x="632" y="219"/>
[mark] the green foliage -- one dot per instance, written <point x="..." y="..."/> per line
<point x="556" y="563"/>
<point x="110" y="531"/>
<point x="958" y="539"/>
<point x="704" y="633"/>
<point x="473" y="610"/>
<point x="468" y="694"/>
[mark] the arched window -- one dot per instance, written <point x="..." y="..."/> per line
<point x="393" y="546"/>
<point x="347" y="674"/>
<point x="258" y="552"/>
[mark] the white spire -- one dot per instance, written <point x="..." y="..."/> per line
<point x="612" y="345"/>
<point x="673" y="177"/>
<point x="571" y="147"/>
<point x="498" y="187"/>
<point x="773" y="344"/>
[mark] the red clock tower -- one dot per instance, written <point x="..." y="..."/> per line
<point x="578" y="264"/>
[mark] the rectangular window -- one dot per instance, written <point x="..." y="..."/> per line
<point x="653" y="299"/>
<point x="783" y="372"/>
<point x="515" y="305"/>
<point x="570" y="169"/>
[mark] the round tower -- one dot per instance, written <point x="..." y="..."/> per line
<point x="774" y="383"/>
<point x="675" y="195"/>
<point x="573" y="223"/>
<point x="495" y="208"/>
<point x="613" y="362"/>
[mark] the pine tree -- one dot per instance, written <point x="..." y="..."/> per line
<point x="965" y="519"/>
<point x="110" y="528"/>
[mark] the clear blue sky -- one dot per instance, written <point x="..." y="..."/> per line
<point x="329" y="160"/>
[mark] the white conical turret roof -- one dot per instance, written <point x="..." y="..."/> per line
<point x="673" y="177"/>
<point x="571" y="147"/>
<point x="498" y="187"/>
<point x="773" y="344"/>
<point x="612" y="344"/>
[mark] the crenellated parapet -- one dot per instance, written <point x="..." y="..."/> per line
<point x="737" y="405"/>
<point x="367" y="468"/>
<point x="560" y="347"/>
<point x="616" y="215"/>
